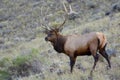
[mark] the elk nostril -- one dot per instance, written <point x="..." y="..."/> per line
<point x="46" y="39"/>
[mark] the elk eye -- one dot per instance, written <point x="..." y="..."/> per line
<point x="50" y="35"/>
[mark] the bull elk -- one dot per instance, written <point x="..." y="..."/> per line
<point x="78" y="45"/>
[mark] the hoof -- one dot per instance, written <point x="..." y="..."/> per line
<point x="108" y="68"/>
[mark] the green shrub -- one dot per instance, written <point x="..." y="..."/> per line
<point x="25" y="58"/>
<point x="20" y="60"/>
<point x="5" y="62"/>
<point x="35" y="51"/>
<point x="4" y="75"/>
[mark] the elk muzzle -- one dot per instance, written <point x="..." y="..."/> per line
<point x="46" y="38"/>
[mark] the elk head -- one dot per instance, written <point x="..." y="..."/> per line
<point x="53" y="33"/>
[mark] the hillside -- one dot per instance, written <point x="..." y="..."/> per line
<point x="24" y="54"/>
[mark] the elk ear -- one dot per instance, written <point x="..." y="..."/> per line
<point x="60" y="29"/>
<point x="46" y="31"/>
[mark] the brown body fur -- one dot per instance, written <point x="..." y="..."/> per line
<point x="80" y="44"/>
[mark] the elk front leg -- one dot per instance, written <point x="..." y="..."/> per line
<point x="72" y="63"/>
<point x="96" y="57"/>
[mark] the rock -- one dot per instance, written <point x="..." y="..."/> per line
<point x="60" y="72"/>
<point x="4" y="45"/>
<point x="1" y="26"/>
<point x="7" y="31"/>
<point x="86" y="30"/>
<point x="36" y="66"/>
<point x="53" y="67"/>
<point x="69" y="1"/>
<point x="116" y="7"/>
<point x="91" y="4"/>
<point x="3" y="18"/>
<point x="79" y="66"/>
<point x="73" y="15"/>
<point x="2" y="41"/>
<point x="107" y="13"/>
<point x="111" y="53"/>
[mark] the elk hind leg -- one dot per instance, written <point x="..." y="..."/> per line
<point x="105" y="55"/>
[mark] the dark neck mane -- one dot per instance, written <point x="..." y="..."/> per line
<point x="59" y="43"/>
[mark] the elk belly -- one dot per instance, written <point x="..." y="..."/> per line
<point x="83" y="51"/>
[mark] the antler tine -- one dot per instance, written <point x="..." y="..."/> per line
<point x="70" y="8"/>
<point x="46" y="28"/>
<point x="65" y="7"/>
<point x="61" y="26"/>
<point x="43" y="26"/>
<point x="42" y="20"/>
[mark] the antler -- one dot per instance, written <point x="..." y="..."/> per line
<point x="65" y="7"/>
<point x="61" y="26"/>
<point x="45" y="28"/>
<point x="70" y="12"/>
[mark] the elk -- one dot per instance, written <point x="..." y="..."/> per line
<point x="78" y="45"/>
